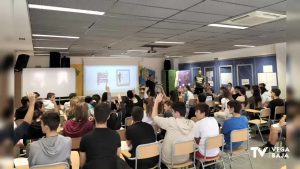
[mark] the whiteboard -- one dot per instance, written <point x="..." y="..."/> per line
<point x="61" y="81"/>
<point x="225" y="78"/>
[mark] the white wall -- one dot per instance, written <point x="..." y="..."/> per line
<point x="278" y="49"/>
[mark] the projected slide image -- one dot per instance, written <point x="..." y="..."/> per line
<point x="123" y="77"/>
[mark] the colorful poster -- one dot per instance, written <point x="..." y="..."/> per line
<point x="79" y="78"/>
<point x="184" y="77"/>
<point x="144" y="74"/>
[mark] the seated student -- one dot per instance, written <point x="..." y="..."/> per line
<point x="35" y="129"/>
<point x="140" y="133"/>
<point x="236" y="92"/>
<point x="188" y="94"/>
<point x="147" y="115"/>
<point x="168" y="111"/>
<point x="201" y="99"/>
<point x="21" y="111"/>
<point x="265" y="96"/>
<point x="67" y="104"/>
<point x="230" y="88"/>
<point x="254" y="102"/>
<point x="71" y="110"/>
<point x="178" y="129"/>
<point x="97" y="98"/>
<point x="237" y="122"/>
<point x="50" y="103"/>
<point x="205" y="127"/>
<point x="242" y="98"/>
<point x="276" y="101"/>
<point x="90" y="102"/>
<point x="248" y="91"/>
<point x="53" y="148"/>
<point x="101" y="147"/>
<point x="80" y="124"/>
<point x="225" y="98"/>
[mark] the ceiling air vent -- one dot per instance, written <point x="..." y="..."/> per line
<point x="254" y="18"/>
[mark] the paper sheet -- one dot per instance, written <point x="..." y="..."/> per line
<point x="211" y="83"/>
<point x="268" y="69"/>
<point x="245" y="81"/>
<point x="226" y="78"/>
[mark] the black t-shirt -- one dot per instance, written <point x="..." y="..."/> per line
<point x="141" y="133"/>
<point x="100" y="147"/>
<point x="21" y="112"/>
<point x="151" y="86"/>
<point x="35" y="131"/>
<point x="114" y="121"/>
<point x="273" y="104"/>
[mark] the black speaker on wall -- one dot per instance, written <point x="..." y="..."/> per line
<point x="21" y="62"/>
<point x="65" y="62"/>
<point x="167" y="64"/>
<point x="54" y="60"/>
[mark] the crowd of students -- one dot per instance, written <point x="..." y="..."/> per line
<point x="96" y="120"/>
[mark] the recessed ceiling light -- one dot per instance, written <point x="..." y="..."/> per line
<point x="137" y="50"/>
<point x="201" y="52"/>
<point x="50" y="48"/>
<point x="55" y="36"/>
<point x="244" y="46"/>
<point x="62" y="9"/>
<point x="42" y="54"/>
<point x="228" y="26"/>
<point x="175" y="56"/>
<point x="167" y="42"/>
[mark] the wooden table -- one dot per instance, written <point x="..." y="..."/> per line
<point x="252" y="110"/>
<point x="21" y="163"/>
<point x="125" y="149"/>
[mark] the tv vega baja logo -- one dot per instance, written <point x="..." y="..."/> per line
<point x="274" y="152"/>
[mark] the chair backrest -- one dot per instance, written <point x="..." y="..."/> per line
<point x="279" y="110"/>
<point x="210" y="103"/>
<point x="75" y="160"/>
<point x="52" y="166"/>
<point x="265" y="113"/>
<point x="19" y="122"/>
<point x="128" y="121"/>
<point x="239" y="135"/>
<point x="194" y="119"/>
<point x="122" y="134"/>
<point x="76" y="143"/>
<point x="183" y="148"/>
<point x="214" y="142"/>
<point x="148" y="150"/>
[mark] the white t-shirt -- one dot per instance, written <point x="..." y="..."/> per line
<point x="147" y="119"/>
<point x="224" y="102"/>
<point x="190" y="96"/>
<point x="265" y="97"/>
<point x="248" y="93"/>
<point x="207" y="127"/>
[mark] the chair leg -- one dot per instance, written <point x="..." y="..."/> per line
<point x="250" y="160"/>
<point x="260" y="134"/>
<point x="223" y="164"/>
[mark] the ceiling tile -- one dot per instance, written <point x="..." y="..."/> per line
<point x="273" y="26"/>
<point x="221" y="8"/>
<point x="255" y="3"/>
<point x="163" y="31"/>
<point x="165" y="3"/>
<point x="198" y="17"/>
<point x="138" y="10"/>
<point x="214" y="29"/>
<point x="174" y="25"/>
<point x="280" y="7"/>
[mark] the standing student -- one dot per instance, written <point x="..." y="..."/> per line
<point x="178" y="129"/>
<point x="140" y="133"/>
<point x="237" y="122"/>
<point x="53" y="148"/>
<point x="205" y="127"/>
<point x="151" y="85"/>
<point x="188" y="93"/>
<point x="101" y="147"/>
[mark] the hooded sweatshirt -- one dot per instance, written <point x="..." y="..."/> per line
<point x="49" y="150"/>
<point x="73" y="128"/>
<point x="178" y="130"/>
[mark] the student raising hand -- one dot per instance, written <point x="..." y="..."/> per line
<point x="159" y="98"/>
<point x="29" y="114"/>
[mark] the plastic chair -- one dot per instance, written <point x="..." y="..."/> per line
<point x="76" y="143"/>
<point x="122" y="134"/>
<point x="279" y="110"/>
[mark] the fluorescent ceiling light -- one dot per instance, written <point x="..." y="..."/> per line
<point x="55" y="36"/>
<point x="133" y="50"/>
<point x="175" y="56"/>
<point x="120" y="56"/>
<point x="167" y="42"/>
<point x="228" y="26"/>
<point x="202" y="52"/>
<point x="50" y="48"/>
<point x="244" y="46"/>
<point x="62" y="9"/>
<point x="42" y="54"/>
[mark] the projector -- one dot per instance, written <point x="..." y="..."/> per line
<point x="151" y="50"/>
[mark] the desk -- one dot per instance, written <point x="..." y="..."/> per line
<point x="252" y="110"/>
<point x="21" y="163"/>
<point x="125" y="149"/>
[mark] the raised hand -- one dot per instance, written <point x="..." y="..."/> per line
<point x="31" y="97"/>
<point x="159" y="98"/>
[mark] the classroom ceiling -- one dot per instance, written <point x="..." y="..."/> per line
<point x="130" y="24"/>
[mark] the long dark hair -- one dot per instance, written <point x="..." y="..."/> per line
<point x="256" y="94"/>
<point x="188" y="88"/>
<point x="37" y="110"/>
<point x="262" y="90"/>
<point x="226" y="93"/>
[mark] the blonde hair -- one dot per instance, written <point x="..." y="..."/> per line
<point x="81" y="111"/>
<point x="73" y="102"/>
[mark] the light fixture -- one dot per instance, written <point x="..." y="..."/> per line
<point x="55" y="36"/>
<point x="167" y="42"/>
<point x="62" y="9"/>
<point x="227" y="26"/>
<point x="120" y="56"/>
<point x="202" y="52"/>
<point x="50" y="48"/>
<point x="175" y="56"/>
<point x="137" y="50"/>
<point x="41" y="54"/>
<point x="244" y="46"/>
